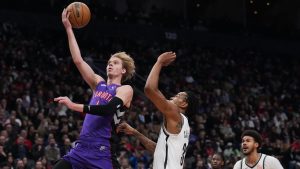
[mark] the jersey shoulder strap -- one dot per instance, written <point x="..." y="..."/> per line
<point x="264" y="161"/>
<point x="242" y="163"/>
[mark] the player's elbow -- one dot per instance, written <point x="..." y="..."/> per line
<point x="78" y="62"/>
<point x="148" y="90"/>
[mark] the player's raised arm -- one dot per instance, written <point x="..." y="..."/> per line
<point x="85" y="70"/>
<point x="151" y="88"/>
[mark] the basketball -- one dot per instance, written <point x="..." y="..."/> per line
<point x="80" y="14"/>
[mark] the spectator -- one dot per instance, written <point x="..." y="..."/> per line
<point x="3" y="155"/>
<point x="20" y="164"/>
<point x="38" y="149"/>
<point x="66" y="147"/>
<point x="10" y="161"/>
<point x="39" y="165"/>
<point x="52" y="152"/>
<point x="27" y="142"/>
<point x="19" y="149"/>
<point x="295" y="155"/>
<point x="28" y="163"/>
<point x="217" y="161"/>
<point x="124" y="162"/>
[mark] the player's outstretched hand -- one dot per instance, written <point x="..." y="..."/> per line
<point x="64" y="100"/>
<point x="166" y="58"/>
<point x="125" y="128"/>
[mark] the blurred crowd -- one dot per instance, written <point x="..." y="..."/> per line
<point x="237" y="88"/>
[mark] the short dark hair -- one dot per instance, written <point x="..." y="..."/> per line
<point x="252" y="133"/>
<point x="220" y="155"/>
<point x="193" y="103"/>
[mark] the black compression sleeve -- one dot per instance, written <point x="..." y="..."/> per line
<point x="103" y="110"/>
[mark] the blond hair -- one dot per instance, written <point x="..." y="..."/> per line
<point x="128" y="64"/>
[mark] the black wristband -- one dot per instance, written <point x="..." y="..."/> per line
<point x="102" y="110"/>
<point x="86" y="108"/>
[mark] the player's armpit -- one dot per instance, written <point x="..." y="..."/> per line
<point x="125" y="93"/>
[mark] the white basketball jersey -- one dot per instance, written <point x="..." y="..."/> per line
<point x="265" y="162"/>
<point x="171" y="148"/>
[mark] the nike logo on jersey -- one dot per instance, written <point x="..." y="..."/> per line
<point x="118" y="115"/>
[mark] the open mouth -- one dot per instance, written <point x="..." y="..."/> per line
<point x="245" y="149"/>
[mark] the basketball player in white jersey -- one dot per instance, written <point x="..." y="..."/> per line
<point x="251" y="141"/>
<point x="173" y="140"/>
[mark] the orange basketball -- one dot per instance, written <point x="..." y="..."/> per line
<point x="80" y="14"/>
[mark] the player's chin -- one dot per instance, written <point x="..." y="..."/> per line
<point x="109" y="74"/>
<point x="246" y="151"/>
<point x="214" y="165"/>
